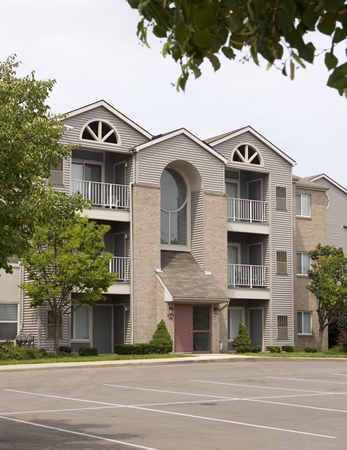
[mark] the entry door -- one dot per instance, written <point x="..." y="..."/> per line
<point x="118" y="324"/>
<point x="231" y="189"/>
<point x="119" y="173"/>
<point x="236" y="316"/>
<point x="254" y="190"/>
<point x="256" y="326"/>
<point x="233" y="260"/>
<point x="102" y="328"/>
<point x="192" y="328"/>
<point x="255" y="254"/>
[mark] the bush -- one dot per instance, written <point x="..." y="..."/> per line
<point x="136" y="349"/>
<point x="308" y="349"/>
<point x="256" y="349"/>
<point x="242" y="342"/>
<point x="287" y="348"/>
<point x="8" y="352"/>
<point x="342" y="341"/>
<point x="161" y="339"/>
<point x="273" y="348"/>
<point x="88" y="351"/>
<point x="65" y="349"/>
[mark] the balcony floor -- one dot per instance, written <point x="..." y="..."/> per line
<point x="251" y="294"/>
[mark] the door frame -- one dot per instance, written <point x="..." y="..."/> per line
<point x="261" y="187"/>
<point x="262" y="322"/>
<point x="262" y="252"/>
<point x="243" y="309"/>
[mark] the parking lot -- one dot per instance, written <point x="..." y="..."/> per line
<point x="217" y="405"/>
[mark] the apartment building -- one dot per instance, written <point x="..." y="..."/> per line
<point x="201" y="233"/>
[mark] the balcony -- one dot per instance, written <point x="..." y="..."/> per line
<point x="121" y="266"/>
<point x="247" y="210"/>
<point x="247" y="276"/>
<point x="105" y="195"/>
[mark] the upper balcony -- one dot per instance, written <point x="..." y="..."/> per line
<point x="246" y="215"/>
<point x="248" y="281"/>
<point x="106" y="199"/>
<point x="121" y="266"/>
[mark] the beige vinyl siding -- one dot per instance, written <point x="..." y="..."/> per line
<point x="129" y="136"/>
<point x="197" y="226"/>
<point x="154" y="159"/>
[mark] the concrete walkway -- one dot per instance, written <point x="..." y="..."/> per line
<point x="211" y="357"/>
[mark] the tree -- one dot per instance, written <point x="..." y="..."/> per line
<point x="278" y="30"/>
<point x="242" y="343"/>
<point x="66" y="263"/>
<point x="162" y="339"/>
<point x="29" y="147"/>
<point x="328" y="283"/>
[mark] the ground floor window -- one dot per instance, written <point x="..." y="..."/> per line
<point x="304" y="322"/>
<point x="8" y="321"/>
<point x="80" y="323"/>
<point x="282" y="327"/>
<point x="50" y="326"/>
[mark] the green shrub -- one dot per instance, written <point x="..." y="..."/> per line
<point x="342" y="341"/>
<point x="308" y="349"/>
<point x="242" y="342"/>
<point x="136" y="349"/>
<point x="273" y="348"/>
<point x="162" y="339"/>
<point x="88" y="351"/>
<point x="8" y="352"/>
<point x="65" y="349"/>
<point x="287" y="348"/>
<point x="256" y="349"/>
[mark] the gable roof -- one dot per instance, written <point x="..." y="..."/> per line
<point x="180" y="131"/>
<point x="306" y="183"/>
<point x="186" y="281"/>
<point x="113" y="111"/>
<point x="232" y="134"/>
<point x="325" y="177"/>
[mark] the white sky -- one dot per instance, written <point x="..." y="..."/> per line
<point x="90" y="47"/>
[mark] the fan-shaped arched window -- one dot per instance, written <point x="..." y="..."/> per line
<point x="174" y="196"/>
<point x="100" y="131"/>
<point x="246" y="154"/>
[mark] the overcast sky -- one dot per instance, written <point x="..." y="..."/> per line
<point x="90" y="47"/>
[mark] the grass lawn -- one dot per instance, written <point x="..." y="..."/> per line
<point x="331" y="353"/>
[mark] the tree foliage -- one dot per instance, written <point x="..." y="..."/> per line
<point x="66" y="263"/>
<point x="328" y="283"/>
<point x="277" y="30"/>
<point x="162" y="338"/>
<point x="29" y="146"/>
<point x="242" y="343"/>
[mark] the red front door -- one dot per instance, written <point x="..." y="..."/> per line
<point x="183" y="328"/>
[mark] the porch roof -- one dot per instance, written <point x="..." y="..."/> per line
<point x="186" y="281"/>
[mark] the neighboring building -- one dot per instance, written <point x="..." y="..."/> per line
<point x="310" y="202"/>
<point x="201" y="233"/>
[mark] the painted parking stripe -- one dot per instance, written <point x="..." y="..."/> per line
<point x="76" y="433"/>
<point x="309" y="381"/>
<point x="212" y="419"/>
<point x="294" y="405"/>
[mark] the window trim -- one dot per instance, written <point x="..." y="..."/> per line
<point x="247" y="161"/>
<point x="98" y="141"/>
<point x="301" y="212"/>
<point x="12" y="321"/>
<point x="279" y="199"/>
<point x="284" y="252"/>
<point x="282" y="327"/>
<point x="302" y="265"/>
<point x="302" y="323"/>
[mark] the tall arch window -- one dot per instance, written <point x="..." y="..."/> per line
<point x="101" y="132"/>
<point x="173" y="214"/>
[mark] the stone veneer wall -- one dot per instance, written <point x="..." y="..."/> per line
<point x="215" y="258"/>
<point x="146" y="254"/>
<point x="308" y="233"/>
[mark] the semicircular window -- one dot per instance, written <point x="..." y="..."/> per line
<point x="173" y="213"/>
<point x="100" y="131"/>
<point x="246" y="154"/>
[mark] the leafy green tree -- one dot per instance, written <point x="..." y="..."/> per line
<point x="278" y="30"/>
<point x="66" y="263"/>
<point x="328" y="283"/>
<point x="29" y="147"/>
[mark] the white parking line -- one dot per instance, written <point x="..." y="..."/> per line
<point x="309" y="381"/>
<point x="212" y="419"/>
<point x="295" y="405"/>
<point x="76" y="433"/>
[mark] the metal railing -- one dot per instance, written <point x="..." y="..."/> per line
<point x="107" y="195"/>
<point x="121" y="266"/>
<point x="247" y="210"/>
<point x="243" y="275"/>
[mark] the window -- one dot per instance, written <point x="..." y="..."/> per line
<point x="8" y="321"/>
<point x="101" y="132"/>
<point x="246" y="154"/>
<point x="50" y="326"/>
<point x="281" y="198"/>
<point x="58" y="167"/>
<point x="303" y="205"/>
<point x="173" y="216"/>
<point x="80" y="323"/>
<point x="281" y="258"/>
<point x="304" y="322"/>
<point x="282" y="327"/>
<point x="302" y="263"/>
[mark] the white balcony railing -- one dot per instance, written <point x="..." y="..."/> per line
<point x="247" y="210"/>
<point x="121" y="266"/>
<point x="243" y="275"/>
<point x="108" y="195"/>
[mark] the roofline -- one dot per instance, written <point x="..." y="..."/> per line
<point x="189" y="135"/>
<point x="112" y="110"/>
<point x="260" y="137"/>
<point x="324" y="176"/>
